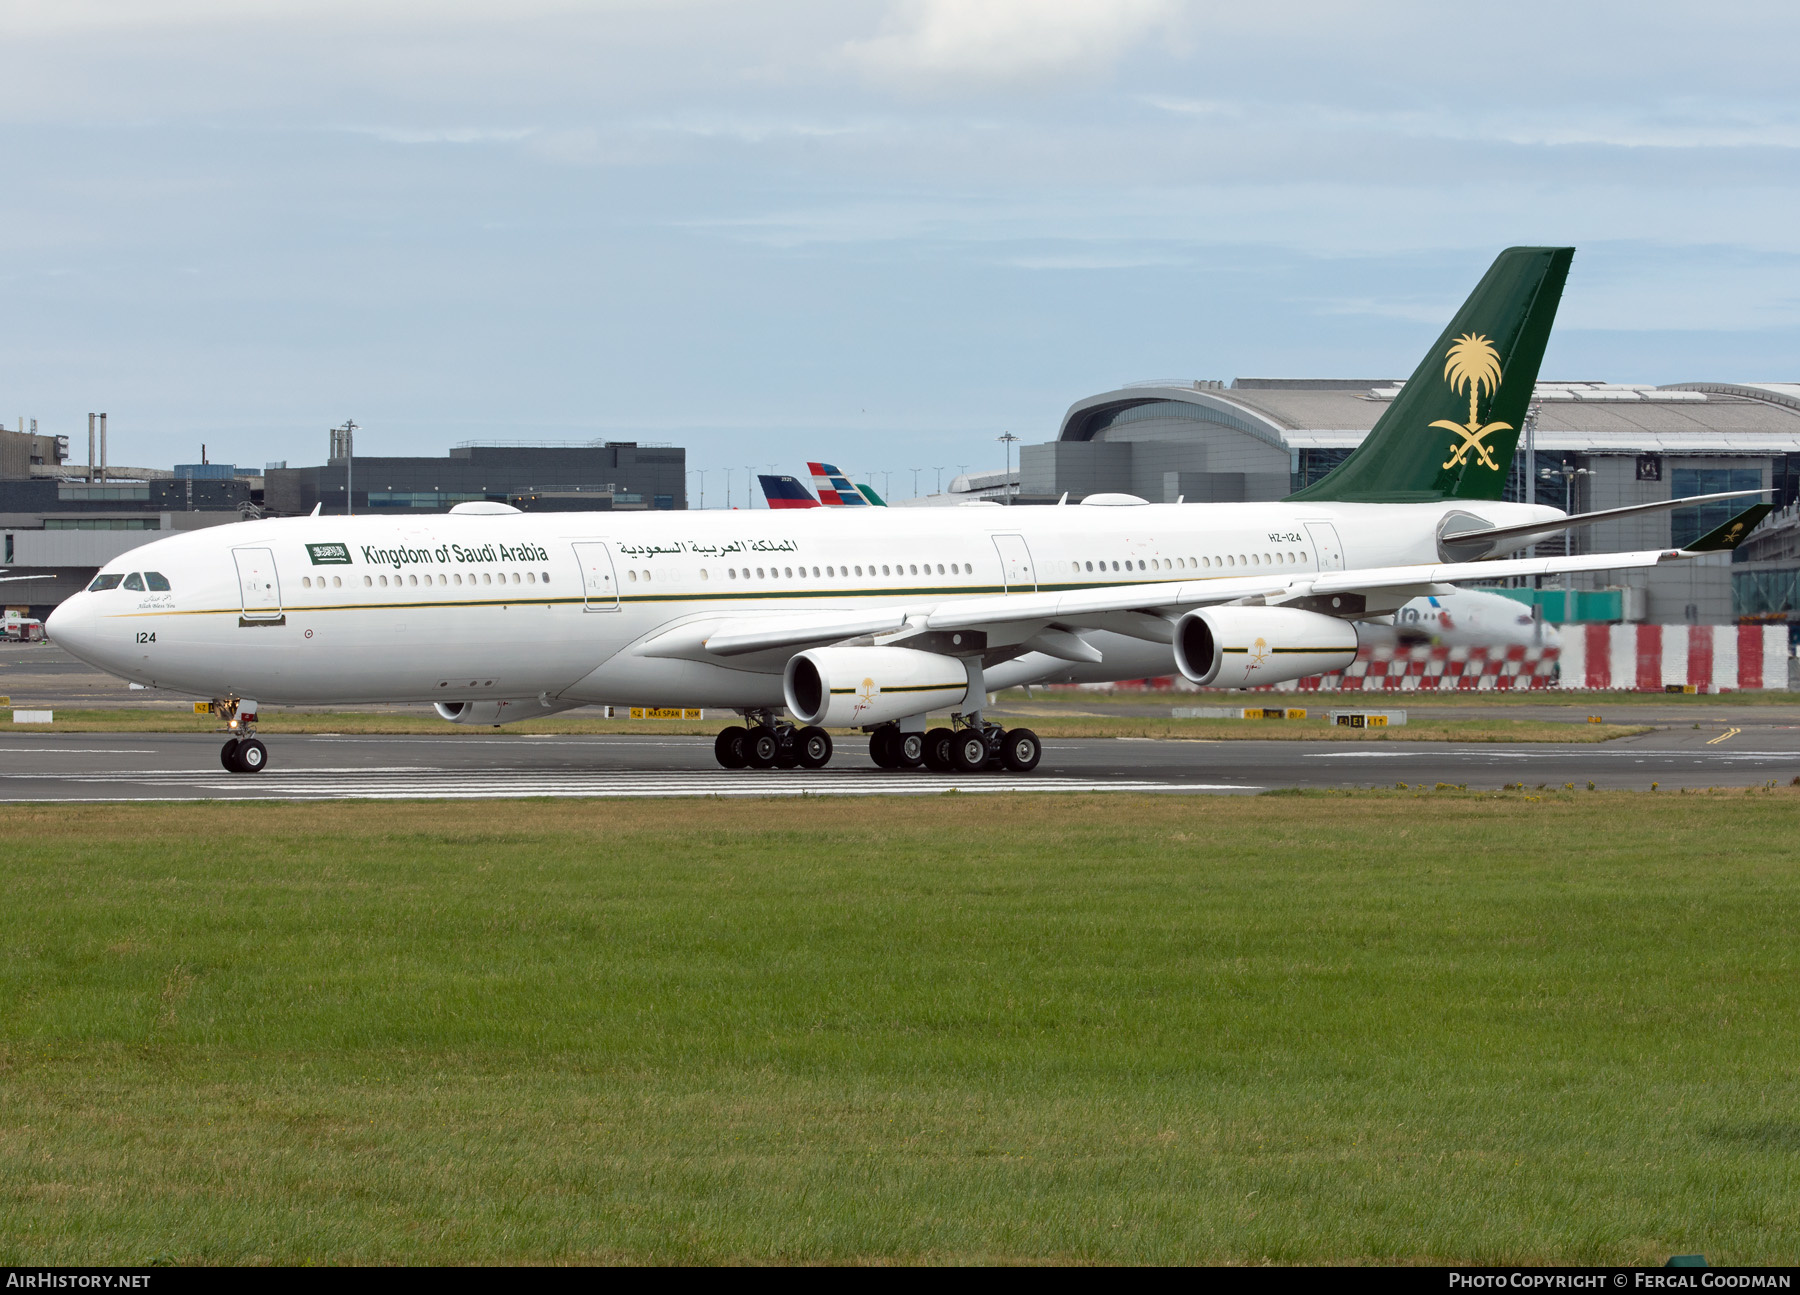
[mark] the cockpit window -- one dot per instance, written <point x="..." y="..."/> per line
<point x="135" y="581"/>
<point x="104" y="582"/>
<point x="156" y="581"/>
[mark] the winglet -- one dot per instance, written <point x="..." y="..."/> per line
<point x="1723" y="539"/>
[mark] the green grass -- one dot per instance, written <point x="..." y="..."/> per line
<point x="1371" y="1027"/>
<point x="275" y="721"/>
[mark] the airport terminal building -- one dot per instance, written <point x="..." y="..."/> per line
<point x="1597" y="445"/>
<point x="60" y="521"/>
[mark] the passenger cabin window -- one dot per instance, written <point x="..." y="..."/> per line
<point x="135" y="582"/>
<point x="104" y="582"/>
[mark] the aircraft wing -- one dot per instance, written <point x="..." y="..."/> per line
<point x="10" y="579"/>
<point x="1154" y="604"/>
<point x="1503" y="539"/>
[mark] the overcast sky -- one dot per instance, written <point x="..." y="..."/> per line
<point x="880" y="232"/>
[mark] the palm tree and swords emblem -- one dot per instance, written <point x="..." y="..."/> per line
<point x="1472" y="364"/>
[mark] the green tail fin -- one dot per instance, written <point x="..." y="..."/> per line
<point x="1451" y="432"/>
<point x="868" y="492"/>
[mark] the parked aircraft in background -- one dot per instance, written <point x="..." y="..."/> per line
<point x="785" y="492"/>
<point x="837" y="491"/>
<point x="1466" y="618"/>
<point x="872" y="623"/>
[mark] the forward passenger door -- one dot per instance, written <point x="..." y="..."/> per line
<point x="258" y="584"/>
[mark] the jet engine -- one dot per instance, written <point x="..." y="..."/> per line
<point x="851" y="687"/>
<point x="1243" y="647"/>
<point x="498" y="712"/>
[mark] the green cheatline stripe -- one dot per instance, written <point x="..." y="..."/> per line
<point x="722" y="596"/>
<point x="921" y="687"/>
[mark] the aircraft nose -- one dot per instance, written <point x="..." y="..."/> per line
<point x="71" y="627"/>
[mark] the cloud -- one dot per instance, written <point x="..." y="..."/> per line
<point x="1005" y="40"/>
<point x="450" y="135"/>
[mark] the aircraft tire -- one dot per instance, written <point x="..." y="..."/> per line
<point x="937" y="750"/>
<point x="814" y="746"/>
<point x="1020" y="750"/>
<point x="761" y="747"/>
<point x="969" y="750"/>
<point x="252" y="756"/>
<point x="881" y="747"/>
<point x="228" y="755"/>
<point x="728" y="747"/>
<point x="909" y="750"/>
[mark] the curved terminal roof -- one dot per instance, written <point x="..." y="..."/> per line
<point x="1577" y="417"/>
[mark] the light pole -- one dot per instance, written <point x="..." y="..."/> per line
<point x="701" y="473"/>
<point x="1007" y="438"/>
<point x="916" y="472"/>
<point x="940" y="479"/>
<point x="1569" y="474"/>
<point x="345" y="436"/>
<point x="749" y="475"/>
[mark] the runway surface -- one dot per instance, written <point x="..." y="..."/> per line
<point x="122" y="767"/>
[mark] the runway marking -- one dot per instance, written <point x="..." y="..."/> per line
<point x="1728" y="733"/>
<point x="476" y="784"/>
<point x="77" y="750"/>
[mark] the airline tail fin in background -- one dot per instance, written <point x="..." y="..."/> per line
<point x="868" y="493"/>
<point x="835" y="490"/>
<point x="785" y="492"/>
<point x="1451" y="432"/>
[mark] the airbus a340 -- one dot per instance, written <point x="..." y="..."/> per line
<point x="808" y="619"/>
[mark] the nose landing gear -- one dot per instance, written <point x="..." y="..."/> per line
<point x="242" y="752"/>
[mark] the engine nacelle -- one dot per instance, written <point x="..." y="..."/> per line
<point x="1244" y="647"/>
<point x="849" y="687"/>
<point x="498" y="712"/>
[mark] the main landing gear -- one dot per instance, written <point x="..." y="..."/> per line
<point x="767" y="743"/>
<point x="242" y="752"/>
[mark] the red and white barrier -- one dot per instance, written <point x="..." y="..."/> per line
<point x="1437" y="669"/>
<point x="1640" y="658"/>
<point x="1648" y="658"/>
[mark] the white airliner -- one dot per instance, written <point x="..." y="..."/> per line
<point x="868" y="622"/>
<point x="1466" y="618"/>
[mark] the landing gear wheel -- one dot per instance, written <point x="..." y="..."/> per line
<point x="761" y="747"/>
<point x="1020" y="750"/>
<point x="814" y="747"/>
<point x="252" y="756"/>
<point x="728" y="747"/>
<point x="788" y="757"/>
<point x="228" y="755"/>
<point x="969" y="750"/>
<point x="881" y="747"/>
<point x="909" y="749"/>
<point x="937" y="750"/>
